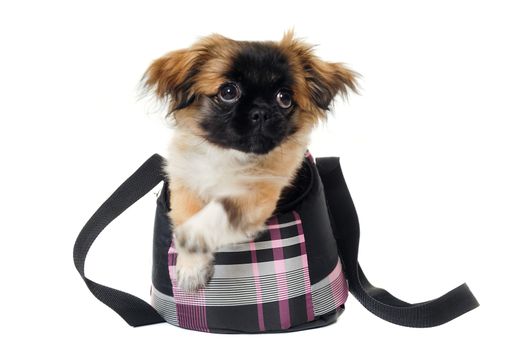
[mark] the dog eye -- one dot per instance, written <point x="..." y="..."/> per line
<point x="229" y="93"/>
<point x="284" y="99"/>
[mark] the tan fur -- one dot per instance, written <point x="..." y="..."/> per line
<point x="334" y="78"/>
<point x="168" y="74"/>
<point x="260" y="201"/>
<point x="185" y="203"/>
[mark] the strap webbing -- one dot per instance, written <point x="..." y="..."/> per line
<point x="133" y="310"/>
<point x="378" y="301"/>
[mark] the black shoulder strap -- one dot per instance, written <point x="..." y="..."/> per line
<point x="378" y="301"/>
<point x="135" y="311"/>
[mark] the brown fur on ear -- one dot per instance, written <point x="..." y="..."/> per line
<point x="321" y="80"/>
<point x="181" y="76"/>
<point x="172" y="76"/>
<point x="326" y="80"/>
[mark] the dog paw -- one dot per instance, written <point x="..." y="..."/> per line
<point x="191" y="237"/>
<point x="191" y="240"/>
<point x="193" y="270"/>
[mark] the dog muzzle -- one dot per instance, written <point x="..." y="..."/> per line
<point x="296" y="275"/>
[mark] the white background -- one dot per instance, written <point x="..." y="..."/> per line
<point x="434" y="153"/>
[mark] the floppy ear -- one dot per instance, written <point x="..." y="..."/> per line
<point x="173" y="77"/>
<point x="322" y="80"/>
<point x="325" y="80"/>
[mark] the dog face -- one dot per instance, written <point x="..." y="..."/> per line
<point x="254" y="109"/>
<point x="247" y="96"/>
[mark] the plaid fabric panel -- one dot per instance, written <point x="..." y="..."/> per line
<point x="257" y="286"/>
<point x="331" y="292"/>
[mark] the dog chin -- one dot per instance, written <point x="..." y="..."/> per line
<point x="256" y="144"/>
<point x="261" y="149"/>
<point x="259" y="145"/>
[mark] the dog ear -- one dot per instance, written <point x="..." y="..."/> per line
<point x="322" y="80"/>
<point x="173" y="77"/>
<point x="325" y="80"/>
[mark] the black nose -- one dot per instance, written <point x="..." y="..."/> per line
<point x="258" y="115"/>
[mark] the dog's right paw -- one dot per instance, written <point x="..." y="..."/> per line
<point x="193" y="270"/>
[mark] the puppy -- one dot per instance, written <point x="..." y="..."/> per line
<point x="243" y="115"/>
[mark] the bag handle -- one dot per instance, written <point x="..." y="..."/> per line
<point x="377" y="300"/>
<point x="136" y="312"/>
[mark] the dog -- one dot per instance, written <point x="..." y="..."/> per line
<point x="244" y="112"/>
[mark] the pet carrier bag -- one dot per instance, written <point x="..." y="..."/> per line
<point x="296" y="275"/>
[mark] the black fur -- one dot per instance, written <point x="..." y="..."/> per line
<point x="260" y="71"/>
<point x="321" y="93"/>
<point x="180" y="93"/>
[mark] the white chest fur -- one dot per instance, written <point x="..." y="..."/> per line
<point x="213" y="172"/>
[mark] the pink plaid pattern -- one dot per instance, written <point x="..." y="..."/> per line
<point x="270" y="289"/>
<point x="190" y="307"/>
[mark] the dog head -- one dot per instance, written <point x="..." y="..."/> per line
<point x="245" y="95"/>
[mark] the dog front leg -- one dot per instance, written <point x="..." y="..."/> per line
<point x="194" y="265"/>
<point x="220" y="222"/>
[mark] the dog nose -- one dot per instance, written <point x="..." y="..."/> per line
<point x="258" y="115"/>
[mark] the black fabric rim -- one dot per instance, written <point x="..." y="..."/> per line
<point x="288" y="200"/>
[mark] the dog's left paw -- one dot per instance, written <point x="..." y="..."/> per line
<point x="191" y="237"/>
<point x="193" y="270"/>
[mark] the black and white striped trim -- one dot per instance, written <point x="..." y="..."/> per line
<point x="327" y="294"/>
